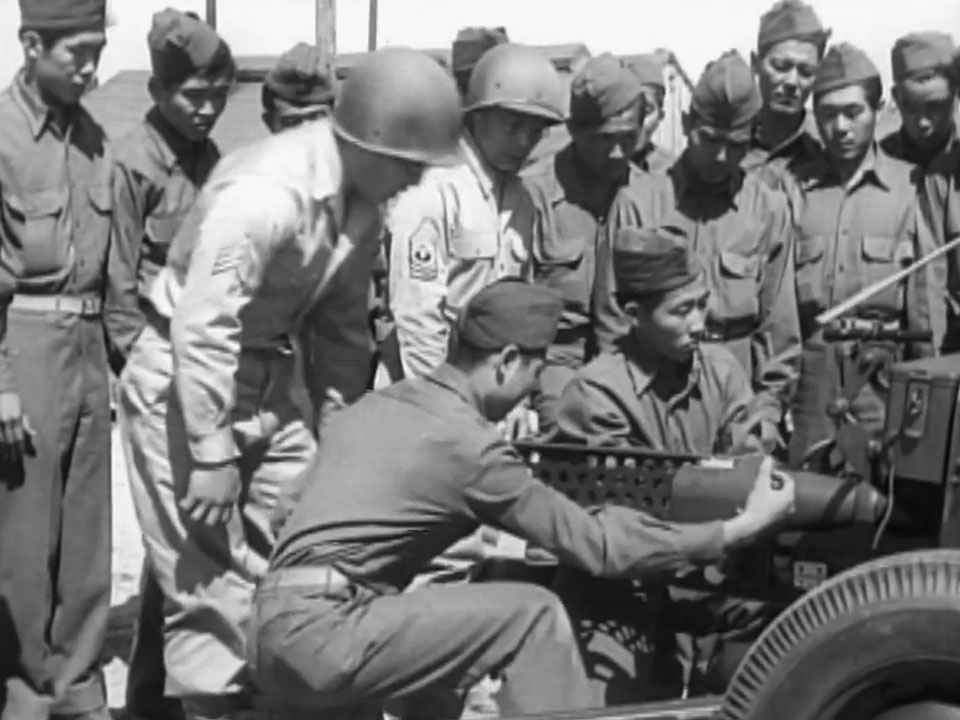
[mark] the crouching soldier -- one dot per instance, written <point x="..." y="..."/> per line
<point x="333" y="628"/>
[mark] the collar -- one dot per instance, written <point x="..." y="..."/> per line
<point x="456" y="381"/>
<point x="39" y="115"/>
<point x="685" y="182"/>
<point x="904" y="148"/>
<point x="326" y="165"/>
<point x="486" y="176"/>
<point x="641" y="158"/>
<point x="171" y="145"/>
<point x="874" y="168"/>
<point x="806" y="135"/>
<point x="643" y="371"/>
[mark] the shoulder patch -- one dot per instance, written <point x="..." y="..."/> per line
<point x="423" y="259"/>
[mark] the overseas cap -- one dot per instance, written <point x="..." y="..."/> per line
<point x="63" y="14"/>
<point x="726" y="96"/>
<point x="472" y="43"/>
<point x="601" y="93"/>
<point x="181" y="45"/>
<point x="648" y="70"/>
<point x="652" y="260"/>
<point x="511" y="312"/>
<point x="790" y="20"/>
<point x="843" y="65"/>
<point x="301" y="77"/>
<point x="921" y="52"/>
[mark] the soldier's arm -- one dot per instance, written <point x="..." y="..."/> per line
<point x="243" y="226"/>
<point x="123" y="318"/>
<point x="8" y="285"/>
<point x="776" y="341"/>
<point x="589" y="414"/>
<point x="417" y="282"/>
<point x="613" y="541"/>
<point x="610" y="323"/>
<point x="740" y="428"/>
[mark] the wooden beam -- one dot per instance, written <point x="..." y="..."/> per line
<point x="326" y="28"/>
<point x="212" y="13"/>
<point x="372" y="26"/>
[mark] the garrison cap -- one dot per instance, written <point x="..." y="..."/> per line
<point x="648" y="70"/>
<point x="511" y="312"/>
<point x="181" y="45"/>
<point x="790" y="20"/>
<point x="647" y="261"/>
<point x="726" y="97"/>
<point x="601" y="94"/>
<point x="921" y="52"/>
<point x="63" y="14"/>
<point x="472" y="43"/>
<point x="843" y="65"/>
<point x="302" y="77"/>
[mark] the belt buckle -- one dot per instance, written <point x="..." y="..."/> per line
<point x="88" y="307"/>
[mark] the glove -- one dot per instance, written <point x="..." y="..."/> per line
<point x="212" y="494"/>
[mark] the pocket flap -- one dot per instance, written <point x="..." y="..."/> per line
<point x="101" y="197"/>
<point x="37" y="204"/>
<point x="879" y="249"/>
<point x="469" y="243"/>
<point x="738" y="265"/>
<point x="809" y="249"/>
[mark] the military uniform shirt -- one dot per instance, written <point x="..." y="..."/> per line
<point x="940" y="222"/>
<point x="379" y="512"/>
<point x="620" y="399"/>
<point x="743" y="236"/>
<point x="461" y="229"/>
<point x="268" y="239"/>
<point x="653" y="158"/>
<point x="159" y="177"/>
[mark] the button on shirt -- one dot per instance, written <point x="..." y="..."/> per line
<point x="159" y="176"/>
<point x="620" y="399"/>
<point x="438" y="469"/>
<point x="743" y="236"/>
<point x="461" y="229"/>
<point x="56" y="205"/>
<point x="272" y="243"/>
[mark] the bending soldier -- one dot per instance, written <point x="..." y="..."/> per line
<point x="333" y="628"/>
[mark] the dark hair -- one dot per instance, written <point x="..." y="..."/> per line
<point x="872" y="88"/>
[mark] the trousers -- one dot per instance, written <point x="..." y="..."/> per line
<point x="207" y="575"/>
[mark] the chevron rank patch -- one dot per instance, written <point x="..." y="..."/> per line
<point x="228" y="258"/>
<point x="424" y="263"/>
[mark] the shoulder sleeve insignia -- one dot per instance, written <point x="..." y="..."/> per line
<point x="424" y="262"/>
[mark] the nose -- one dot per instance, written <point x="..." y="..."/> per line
<point x="697" y="324"/>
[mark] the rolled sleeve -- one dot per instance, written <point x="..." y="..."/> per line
<point x="612" y="542"/>
<point x="243" y="226"/>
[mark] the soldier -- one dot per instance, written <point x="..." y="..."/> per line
<point x="925" y="90"/>
<point x="649" y="156"/>
<point x="740" y="230"/>
<point x="857" y="225"/>
<point x="790" y="44"/>
<point x="217" y="443"/>
<point x="333" y="627"/>
<point x="469" y="46"/>
<point x="56" y="216"/>
<point x="161" y="166"/>
<point x="664" y="390"/>
<point x="299" y="88"/>
<point x="573" y="192"/>
<point x="464" y="227"/>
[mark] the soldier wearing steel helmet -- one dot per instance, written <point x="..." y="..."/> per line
<point x="280" y="231"/>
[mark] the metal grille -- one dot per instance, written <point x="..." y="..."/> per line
<point x="640" y="479"/>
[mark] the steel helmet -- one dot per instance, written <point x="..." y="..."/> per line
<point x="518" y="78"/>
<point x="400" y="102"/>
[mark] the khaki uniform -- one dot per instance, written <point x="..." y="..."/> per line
<point x="940" y="222"/>
<point x="459" y="230"/>
<point x="743" y="236"/>
<point x="271" y="247"/>
<point x="849" y="237"/>
<point x="333" y="627"/>
<point x="56" y="226"/>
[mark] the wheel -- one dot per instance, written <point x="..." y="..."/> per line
<point x="878" y="642"/>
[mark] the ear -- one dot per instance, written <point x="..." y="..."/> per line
<point x="32" y="44"/>
<point x="755" y="61"/>
<point x="155" y="89"/>
<point x="506" y="362"/>
<point x="686" y="122"/>
<point x="895" y="94"/>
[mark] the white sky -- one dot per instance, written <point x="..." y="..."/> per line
<point x="696" y="30"/>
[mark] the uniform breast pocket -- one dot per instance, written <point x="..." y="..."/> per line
<point x="561" y="264"/>
<point x="35" y="222"/>
<point x="882" y="257"/>
<point x="474" y="243"/>
<point x="736" y="293"/>
<point x="811" y="288"/>
<point x="161" y="229"/>
<point x="96" y="232"/>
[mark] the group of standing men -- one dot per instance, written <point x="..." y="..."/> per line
<point x="606" y="293"/>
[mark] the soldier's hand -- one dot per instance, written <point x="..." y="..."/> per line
<point x="212" y="494"/>
<point x="772" y="498"/>
<point x="14" y="430"/>
<point x="520" y="423"/>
